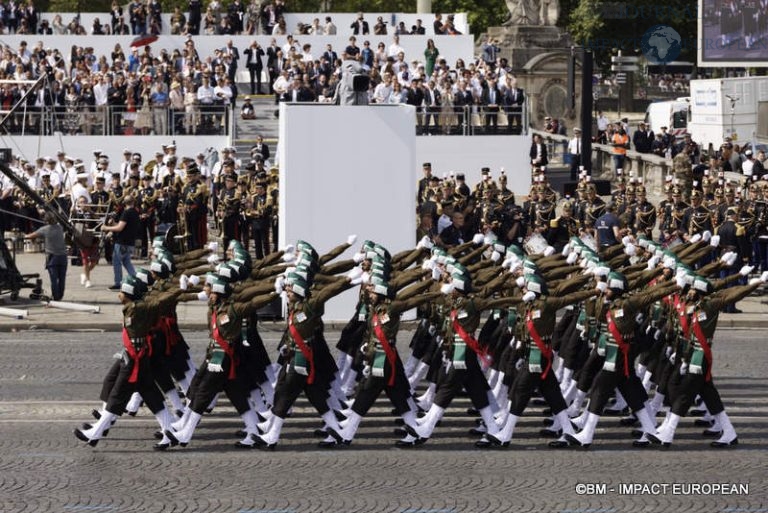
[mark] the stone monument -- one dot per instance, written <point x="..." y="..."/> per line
<point x="537" y="52"/>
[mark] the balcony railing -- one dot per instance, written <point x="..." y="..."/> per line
<point x="472" y="120"/>
<point x="117" y="120"/>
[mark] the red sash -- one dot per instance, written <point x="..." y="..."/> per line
<point x="623" y="346"/>
<point x="135" y="356"/>
<point x="388" y="349"/>
<point x="165" y="324"/>
<point x="485" y="358"/>
<point x="304" y="348"/>
<point x="546" y="351"/>
<point x="699" y="333"/>
<point x="680" y="307"/>
<point x="226" y="346"/>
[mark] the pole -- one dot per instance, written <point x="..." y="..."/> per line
<point x="13" y="312"/>
<point x="586" y="110"/>
<point x="75" y="307"/>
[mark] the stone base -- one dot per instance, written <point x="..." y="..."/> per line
<point x="521" y="43"/>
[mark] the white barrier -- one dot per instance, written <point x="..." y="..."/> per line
<point x="14" y="312"/>
<point x="74" y="307"/>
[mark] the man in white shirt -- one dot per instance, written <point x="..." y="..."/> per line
<point x="747" y="166"/>
<point x="602" y="126"/>
<point x="383" y="90"/>
<point x="79" y="189"/>
<point x="125" y="165"/>
<point x="574" y="150"/>
<point x="395" y="47"/>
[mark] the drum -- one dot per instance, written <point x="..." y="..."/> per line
<point x="174" y="241"/>
<point x="535" y="244"/>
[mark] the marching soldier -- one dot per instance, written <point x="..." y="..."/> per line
<point x="562" y="228"/>
<point x="593" y="208"/>
<point x="697" y="218"/>
<point x="664" y="213"/>
<point x="259" y="214"/>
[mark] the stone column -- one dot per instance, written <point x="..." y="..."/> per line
<point x="423" y="6"/>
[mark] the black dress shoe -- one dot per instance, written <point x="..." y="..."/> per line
<point x="496" y="441"/>
<point x="399" y="421"/>
<point x="703" y="423"/>
<point x="240" y="445"/>
<point x="478" y="431"/>
<point x="400" y="432"/>
<point x="161" y="447"/>
<point x="641" y="443"/>
<point x="158" y="435"/>
<point x="173" y="439"/>
<point x="319" y="433"/>
<point x="559" y="444"/>
<point x="337" y="436"/>
<point x="329" y="444"/>
<point x="548" y="433"/>
<point x="696" y="413"/>
<point x="723" y="445"/>
<point x="241" y="433"/>
<point x="80" y="436"/>
<point x="409" y="444"/>
<point x="664" y="445"/>
<point x="575" y="442"/>
<point x="710" y="433"/>
<point x="637" y="433"/>
<point x="629" y="421"/>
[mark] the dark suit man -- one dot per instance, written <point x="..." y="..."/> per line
<point x="514" y="98"/>
<point x="273" y="54"/>
<point x="360" y="26"/>
<point x="538" y="152"/>
<point x="297" y="93"/>
<point x="490" y="100"/>
<point x="255" y="66"/>
<point x="461" y="102"/>
<point x="260" y="149"/>
<point x="643" y="139"/>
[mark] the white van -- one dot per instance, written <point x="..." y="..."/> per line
<point x="671" y="114"/>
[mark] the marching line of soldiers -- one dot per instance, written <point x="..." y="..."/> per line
<point x="169" y="192"/>
<point x="636" y="316"/>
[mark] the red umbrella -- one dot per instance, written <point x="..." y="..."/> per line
<point x="143" y="40"/>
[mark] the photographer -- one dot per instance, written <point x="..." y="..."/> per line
<point x="380" y="29"/>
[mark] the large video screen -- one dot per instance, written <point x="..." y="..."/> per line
<point x="733" y="33"/>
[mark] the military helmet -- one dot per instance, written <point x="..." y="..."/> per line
<point x="536" y="284"/>
<point x="617" y="282"/>
<point x="145" y="276"/>
<point x="133" y="287"/>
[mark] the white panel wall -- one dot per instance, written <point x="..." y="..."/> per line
<point x="347" y="170"/>
<point x="469" y="154"/>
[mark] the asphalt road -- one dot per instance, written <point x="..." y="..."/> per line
<point x="50" y="381"/>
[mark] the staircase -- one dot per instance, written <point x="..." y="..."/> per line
<point x="266" y="124"/>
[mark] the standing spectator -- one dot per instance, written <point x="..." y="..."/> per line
<point x="430" y="57"/>
<point x="643" y="138"/>
<point x="574" y="150"/>
<point x="253" y="17"/>
<point x="360" y="26"/>
<point x="490" y="53"/>
<point x="116" y="12"/>
<point x="138" y="18"/>
<point x="329" y="28"/>
<point x="602" y="127"/>
<point x="620" y="143"/>
<point x="195" y="17"/>
<point x="380" y="28"/>
<point x="236" y="13"/>
<point x="490" y="100"/>
<point x="538" y="152"/>
<point x="127" y="230"/>
<point x="55" y="254"/>
<point x="254" y="54"/>
<point x="437" y="25"/>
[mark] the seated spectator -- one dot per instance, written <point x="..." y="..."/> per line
<point x="246" y="111"/>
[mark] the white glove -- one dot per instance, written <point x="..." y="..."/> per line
<point x="696" y="238"/>
<point x="566" y="250"/>
<point x="495" y="256"/>
<point x="529" y="296"/>
<point x="506" y="263"/>
<point x="572" y="257"/>
<point x="653" y="262"/>
<point x="732" y="259"/>
<point x="601" y="286"/>
<point x="183" y="282"/>
<point x="428" y="265"/>
<point x="626" y="240"/>
<point x="213" y="246"/>
<point x="279" y="284"/>
<point x="630" y="250"/>
<point x="290" y="248"/>
<point x="520" y="282"/>
<point x="683" y="369"/>
<point x="424" y="243"/>
<point x="202" y="296"/>
<point x="726" y="256"/>
<point x="365" y="278"/>
<point x="436" y="273"/>
<point x="478" y="238"/>
<point x="745" y="270"/>
<point x="706" y="235"/>
<point x="549" y="251"/>
<point x="764" y="277"/>
<point x="194" y="280"/>
<point x="289" y="257"/>
<point x="489" y="239"/>
<point x="755" y="281"/>
<point x="213" y="259"/>
<point x="351" y="239"/>
<point x="447" y="288"/>
<point x="516" y="264"/>
<point x="355" y="273"/>
<point x="714" y="241"/>
<point x="358" y="257"/>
